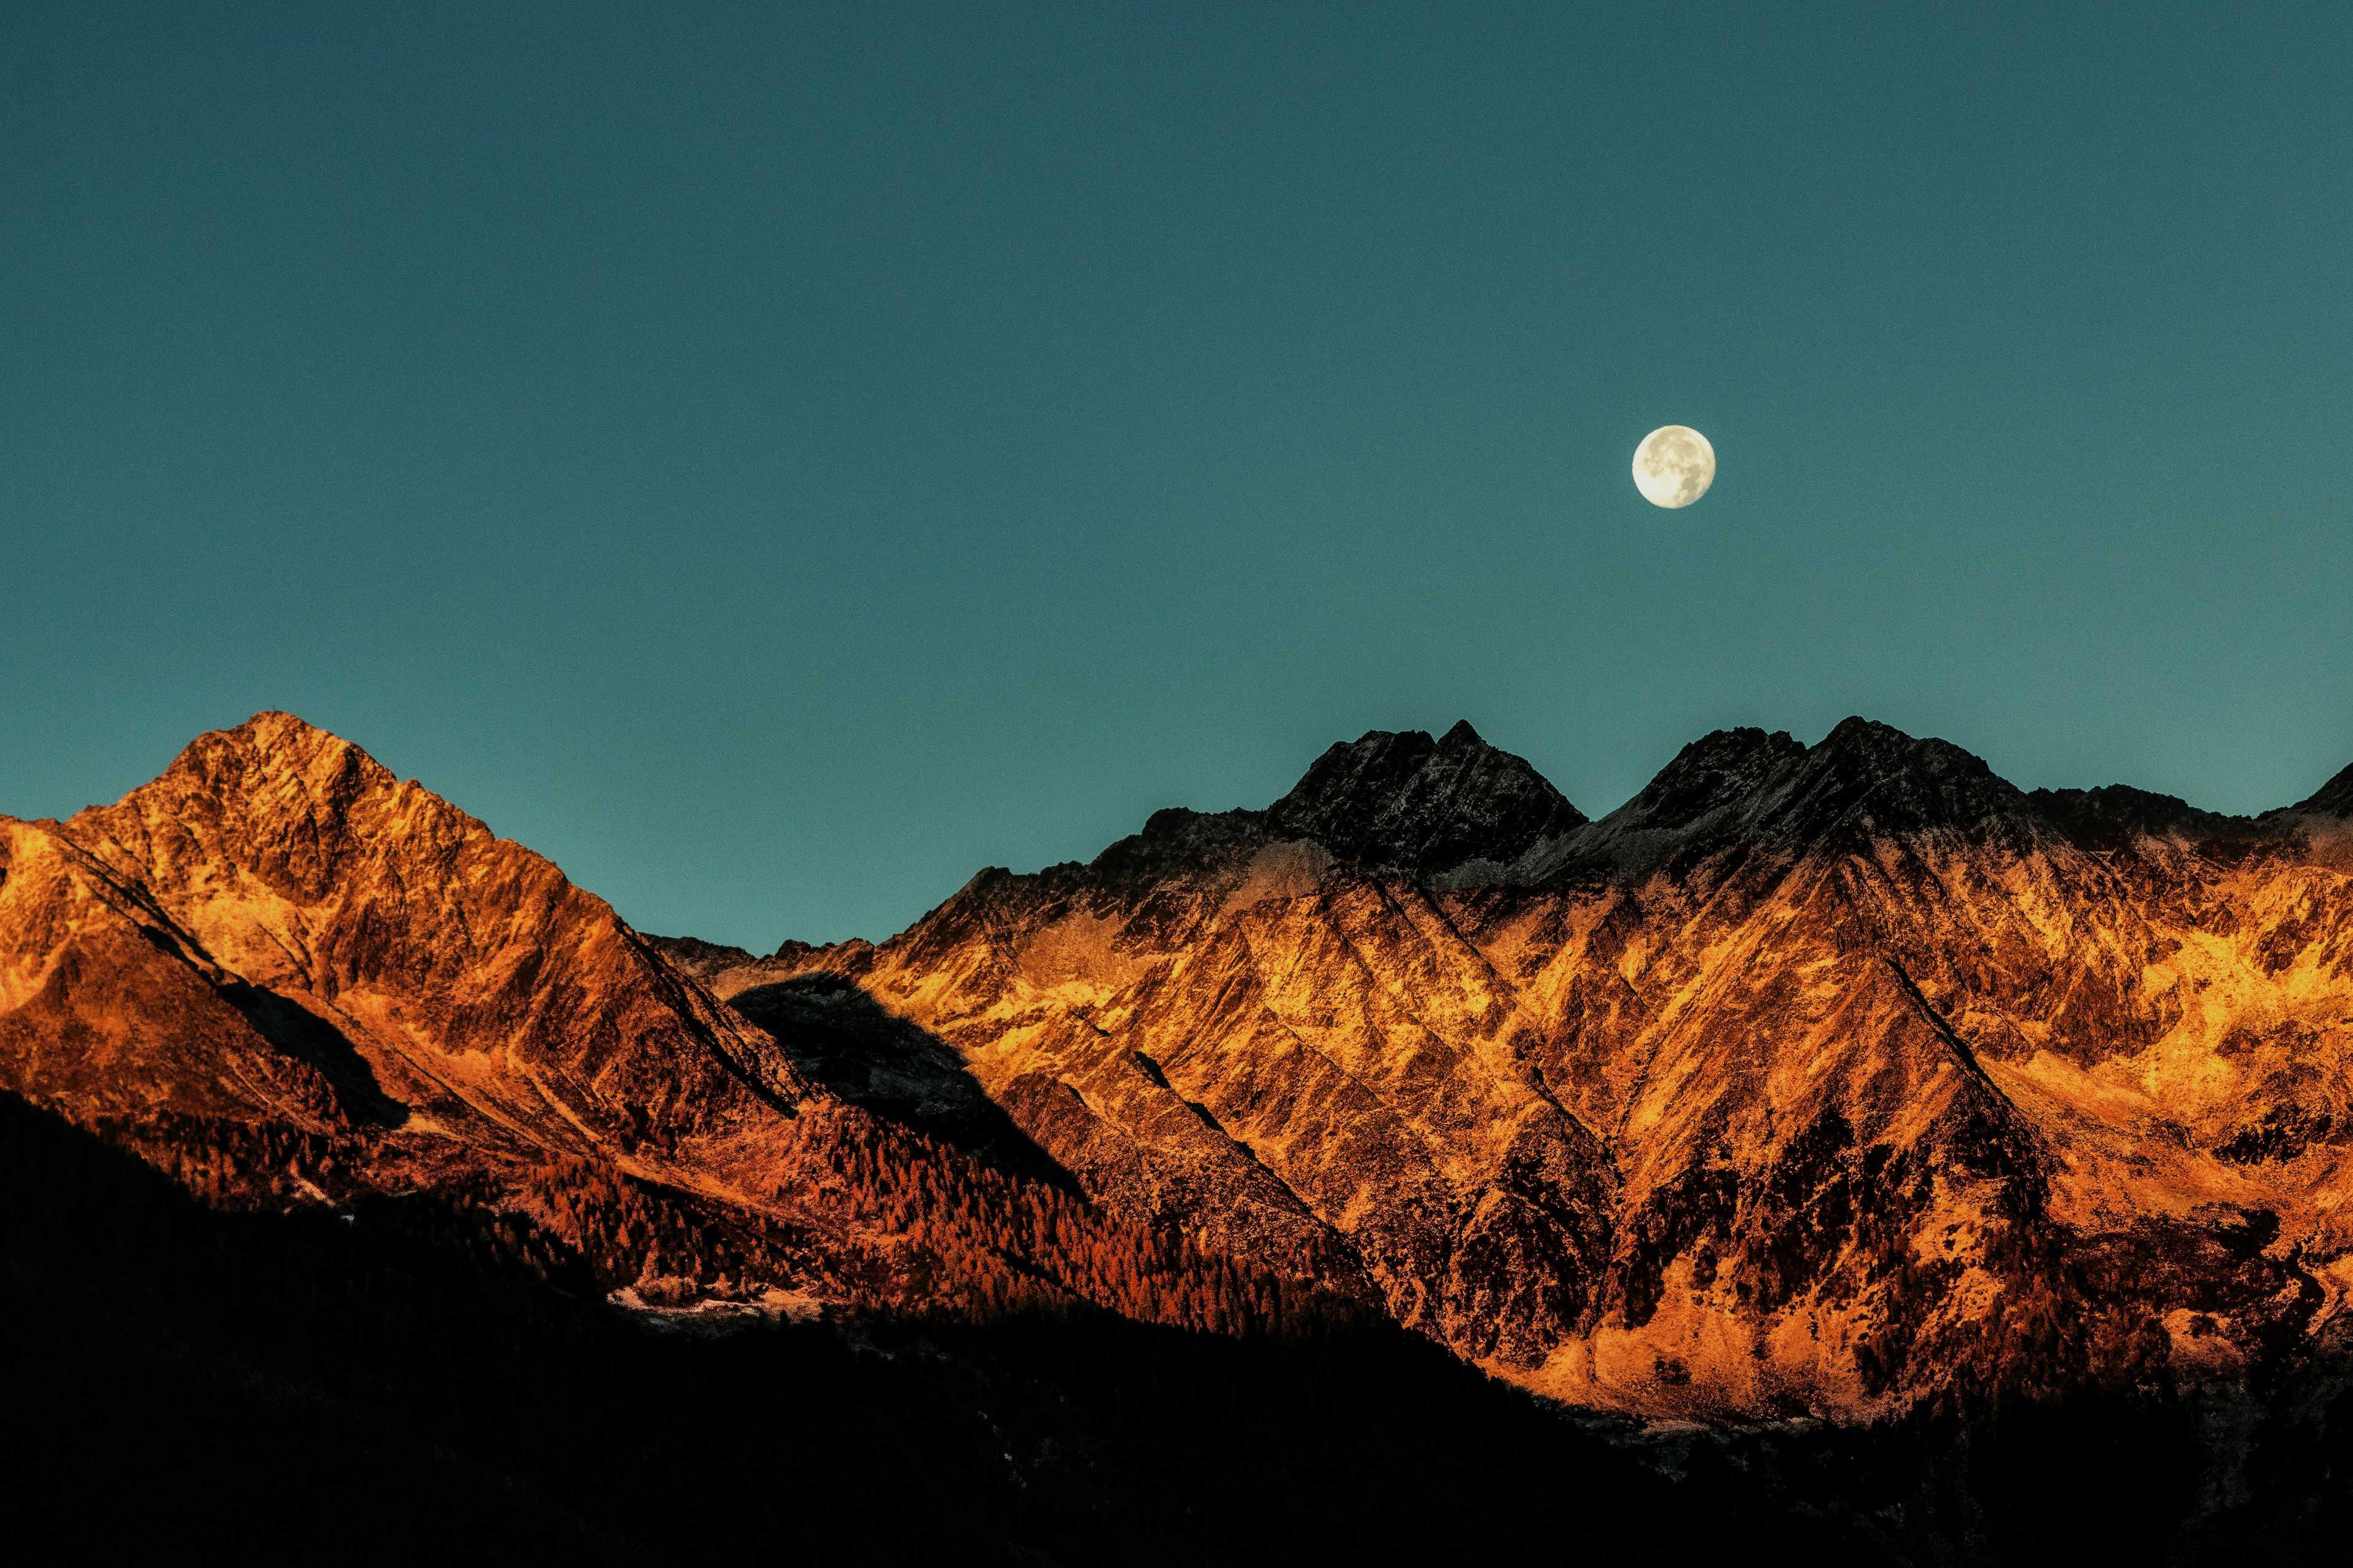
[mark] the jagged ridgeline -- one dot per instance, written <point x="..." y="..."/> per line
<point x="287" y="978"/>
<point x="1838" y="1080"/>
<point x="1813" y="1080"/>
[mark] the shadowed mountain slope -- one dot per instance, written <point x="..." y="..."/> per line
<point x="292" y="978"/>
<point x="1831" y="1078"/>
<point x="1405" y="801"/>
<point x="2334" y="798"/>
<point x="191" y="1386"/>
<point x="1813" y="1079"/>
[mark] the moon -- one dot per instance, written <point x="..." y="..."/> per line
<point x="1673" y="465"/>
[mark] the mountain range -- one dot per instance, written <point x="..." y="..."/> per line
<point x="1814" y="1084"/>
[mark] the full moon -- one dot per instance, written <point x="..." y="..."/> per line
<point x="1673" y="465"/>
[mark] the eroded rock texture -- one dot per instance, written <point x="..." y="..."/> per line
<point x="288" y="976"/>
<point x="1812" y="1078"/>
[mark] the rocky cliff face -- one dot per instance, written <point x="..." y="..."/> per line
<point x="277" y="931"/>
<point x="1409" y="803"/>
<point x="1821" y="1078"/>
<point x="289" y="976"/>
<point x="1813" y="1079"/>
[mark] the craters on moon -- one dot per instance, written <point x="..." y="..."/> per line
<point x="1673" y="465"/>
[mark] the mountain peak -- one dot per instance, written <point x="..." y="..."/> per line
<point x="1460" y="736"/>
<point x="2114" y="815"/>
<point x="1400" y="798"/>
<point x="272" y="746"/>
<point x="2334" y="798"/>
<point x="378" y="933"/>
<point x="1884" y="747"/>
<point x="280" y="798"/>
<point x="1875" y="773"/>
<point x="1714" y="772"/>
<point x="277" y="726"/>
<point x="1863" y="777"/>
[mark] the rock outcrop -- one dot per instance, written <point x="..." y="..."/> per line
<point x="289" y="976"/>
<point x="1827" y="1078"/>
<point x="1819" y="1079"/>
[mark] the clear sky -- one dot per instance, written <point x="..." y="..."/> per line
<point x="777" y="460"/>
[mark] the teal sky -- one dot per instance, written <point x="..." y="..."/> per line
<point x="779" y="459"/>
